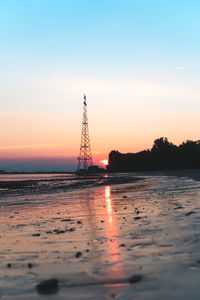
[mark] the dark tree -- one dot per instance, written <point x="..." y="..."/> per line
<point x="162" y="156"/>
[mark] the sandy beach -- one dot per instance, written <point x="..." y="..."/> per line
<point x="125" y="236"/>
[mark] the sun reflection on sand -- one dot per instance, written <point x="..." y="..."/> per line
<point x="112" y="235"/>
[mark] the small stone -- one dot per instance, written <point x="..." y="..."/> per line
<point x="9" y="265"/>
<point x="122" y="245"/>
<point x="29" y="265"/>
<point x="79" y="222"/>
<point x="60" y="231"/>
<point x="189" y="213"/>
<point x="49" y="286"/>
<point x="124" y="197"/>
<point x="72" y="229"/>
<point x="78" y="254"/>
<point x="178" y="207"/>
<point x="137" y="218"/>
<point x="135" y="278"/>
<point x="36" y="234"/>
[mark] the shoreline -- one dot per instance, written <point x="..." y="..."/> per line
<point x="57" y="185"/>
<point x="186" y="173"/>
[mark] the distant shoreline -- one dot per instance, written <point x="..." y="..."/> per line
<point x="192" y="173"/>
<point x="35" y="173"/>
<point x="55" y="185"/>
<point x="188" y="173"/>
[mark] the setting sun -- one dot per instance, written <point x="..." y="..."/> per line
<point x="104" y="162"/>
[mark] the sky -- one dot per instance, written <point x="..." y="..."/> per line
<point x="136" y="60"/>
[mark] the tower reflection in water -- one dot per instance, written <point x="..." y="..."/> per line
<point x="114" y="254"/>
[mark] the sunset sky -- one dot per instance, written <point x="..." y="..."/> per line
<point x="136" y="60"/>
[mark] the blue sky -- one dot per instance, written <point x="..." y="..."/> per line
<point x="94" y="36"/>
<point x="138" y="62"/>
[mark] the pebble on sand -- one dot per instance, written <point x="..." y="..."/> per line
<point x="49" y="286"/>
<point x="36" y="234"/>
<point x="135" y="278"/>
<point x="189" y="213"/>
<point x="78" y="254"/>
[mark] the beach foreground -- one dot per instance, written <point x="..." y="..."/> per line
<point x="134" y="239"/>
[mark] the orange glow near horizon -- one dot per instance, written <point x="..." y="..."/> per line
<point x="47" y="135"/>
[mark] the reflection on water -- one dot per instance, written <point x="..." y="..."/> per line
<point x="109" y="207"/>
<point x="111" y="234"/>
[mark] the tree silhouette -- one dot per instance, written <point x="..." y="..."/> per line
<point x="162" y="156"/>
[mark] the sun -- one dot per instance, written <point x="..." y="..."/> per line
<point x="104" y="162"/>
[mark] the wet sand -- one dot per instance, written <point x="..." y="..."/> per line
<point x="94" y="237"/>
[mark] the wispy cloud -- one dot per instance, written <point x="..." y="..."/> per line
<point x="182" y="67"/>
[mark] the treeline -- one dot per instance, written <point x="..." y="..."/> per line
<point x="162" y="156"/>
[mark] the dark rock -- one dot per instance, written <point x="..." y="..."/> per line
<point x="60" y="231"/>
<point x="72" y="229"/>
<point x="66" y="220"/>
<point x="124" y="197"/>
<point x="178" y="207"/>
<point x="36" y="234"/>
<point x="137" y="218"/>
<point x="79" y="222"/>
<point x="122" y="245"/>
<point x="135" y="278"/>
<point x="78" y="254"/>
<point x="29" y="265"/>
<point x="49" y="286"/>
<point x="189" y="213"/>
<point x="9" y="265"/>
<point x="48" y="232"/>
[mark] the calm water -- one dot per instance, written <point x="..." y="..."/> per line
<point x="22" y="177"/>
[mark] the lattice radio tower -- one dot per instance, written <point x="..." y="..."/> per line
<point x="85" y="156"/>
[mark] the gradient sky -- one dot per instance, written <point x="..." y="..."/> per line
<point x="136" y="60"/>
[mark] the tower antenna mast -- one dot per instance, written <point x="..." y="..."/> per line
<point x="85" y="156"/>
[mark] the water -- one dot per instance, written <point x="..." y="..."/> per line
<point x="149" y="227"/>
<point x="22" y="177"/>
